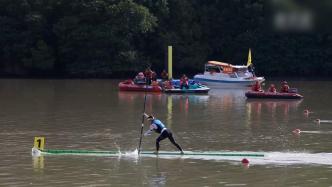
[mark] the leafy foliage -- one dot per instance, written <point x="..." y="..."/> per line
<point x="111" y="38"/>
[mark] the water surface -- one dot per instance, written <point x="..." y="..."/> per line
<point x="94" y="115"/>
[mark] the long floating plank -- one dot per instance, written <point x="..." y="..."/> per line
<point x="161" y="153"/>
<point x="248" y="154"/>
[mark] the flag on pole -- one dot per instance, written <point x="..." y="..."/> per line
<point x="249" y="58"/>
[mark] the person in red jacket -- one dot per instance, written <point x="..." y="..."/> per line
<point x="164" y="75"/>
<point x="148" y="75"/>
<point x="284" y="87"/>
<point x="184" y="82"/>
<point x="154" y="76"/>
<point x="256" y="87"/>
<point x="272" y="88"/>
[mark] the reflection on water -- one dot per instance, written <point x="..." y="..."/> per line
<point x="227" y="99"/>
<point x="169" y="110"/>
<point x="38" y="163"/>
<point x="182" y="102"/>
<point x="276" y="109"/>
<point x="159" y="178"/>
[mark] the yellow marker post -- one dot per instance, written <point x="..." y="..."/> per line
<point x="170" y="61"/>
<point x="39" y="143"/>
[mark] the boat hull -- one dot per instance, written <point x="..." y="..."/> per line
<point x="197" y="90"/>
<point x="194" y="87"/>
<point x="271" y="95"/>
<point x="227" y="82"/>
<point x="130" y="86"/>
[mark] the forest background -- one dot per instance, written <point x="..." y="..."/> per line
<point x="118" y="38"/>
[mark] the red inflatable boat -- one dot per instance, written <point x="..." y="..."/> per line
<point x="273" y="95"/>
<point x="129" y="85"/>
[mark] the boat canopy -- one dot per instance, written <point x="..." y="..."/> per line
<point x="223" y="64"/>
<point x="228" y="68"/>
<point x="219" y="63"/>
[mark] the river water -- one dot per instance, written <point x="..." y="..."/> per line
<point x="94" y="115"/>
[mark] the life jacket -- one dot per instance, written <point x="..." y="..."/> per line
<point x="168" y="85"/>
<point x="159" y="124"/>
<point x="184" y="80"/>
<point x="284" y="88"/>
<point x="255" y="88"/>
<point x="154" y="83"/>
<point x="272" y="89"/>
<point x="148" y="74"/>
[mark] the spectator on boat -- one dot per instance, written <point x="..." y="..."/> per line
<point x="251" y="69"/>
<point x="154" y="83"/>
<point x="148" y="75"/>
<point x="184" y="82"/>
<point x="154" y="76"/>
<point x="164" y="75"/>
<point x="256" y="87"/>
<point x="284" y="87"/>
<point x="158" y="127"/>
<point x="140" y="78"/>
<point x="168" y="84"/>
<point x="272" y="88"/>
<point x="212" y="71"/>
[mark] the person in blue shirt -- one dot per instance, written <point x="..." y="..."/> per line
<point x="157" y="126"/>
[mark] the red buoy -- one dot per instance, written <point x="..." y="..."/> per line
<point x="245" y="161"/>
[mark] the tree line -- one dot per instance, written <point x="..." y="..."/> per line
<point x="118" y="38"/>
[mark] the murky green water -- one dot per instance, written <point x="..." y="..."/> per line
<point x="94" y="115"/>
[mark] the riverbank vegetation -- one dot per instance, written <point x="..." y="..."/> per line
<point x="116" y="38"/>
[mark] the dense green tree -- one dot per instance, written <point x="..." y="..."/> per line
<point x="113" y="38"/>
<point x="96" y="38"/>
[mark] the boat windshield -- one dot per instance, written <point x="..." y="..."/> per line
<point x="213" y="69"/>
<point x="242" y="72"/>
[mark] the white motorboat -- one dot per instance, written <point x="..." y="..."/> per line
<point x="224" y="75"/>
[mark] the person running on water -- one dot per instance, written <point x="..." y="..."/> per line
<point x="160" y="128"/>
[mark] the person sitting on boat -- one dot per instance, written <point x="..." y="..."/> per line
<point x="184" y="82"/>
<point x="154" y="76"/>
<point x="164" y="75"/>
<point x="272" y="88"/>
<point x="154" y="83"/>
<point x="256" y="87"/>
<point x="284" y="87"/>
<point x="148" y="75"/>
<point x="168" y="84"/>
<point x="140" y="78"/>
<point x="158" y="127"/>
